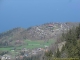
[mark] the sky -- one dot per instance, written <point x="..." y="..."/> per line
<point x="26" y="13"/>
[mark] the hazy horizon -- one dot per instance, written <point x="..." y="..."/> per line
<point x="18" y="13"/>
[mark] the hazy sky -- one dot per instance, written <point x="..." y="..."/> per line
<point x="26" y="13"/>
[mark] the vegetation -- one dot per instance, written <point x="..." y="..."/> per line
<point x="57" y="54"/>
<point x="72" y="46"/>
<point x="32" y="57"/>
<point x="71" y="49"/>
<point x="29" y="44"/>
<point x="48" y="55"/>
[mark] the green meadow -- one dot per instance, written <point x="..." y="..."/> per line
<point x="31" y="44"/>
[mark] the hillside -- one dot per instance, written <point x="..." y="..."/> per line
<point x="45" y="31"/>
<point x="43" y="42"/>
<point x="68" y="48"/>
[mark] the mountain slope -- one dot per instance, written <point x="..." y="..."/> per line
<point x="43" y="32"/>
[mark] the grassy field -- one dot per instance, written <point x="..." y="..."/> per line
<point x="5" y="49"/>
<point x="29" y="44"/>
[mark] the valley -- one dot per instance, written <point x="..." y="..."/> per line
<point x="21" y="42"/>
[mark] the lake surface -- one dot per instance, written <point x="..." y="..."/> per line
<point x="26" y="13"/>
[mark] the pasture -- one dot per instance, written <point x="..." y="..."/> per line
<point x="31" y="44"/>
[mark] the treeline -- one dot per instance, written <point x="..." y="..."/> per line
<point x="71" y="49"/>
<point x="72" y="46"/>
<point x="3" y="52"/>
<point x="5" y="43"/>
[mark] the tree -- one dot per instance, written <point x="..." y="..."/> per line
<point x="58" y="54"/>
<point x="78" y="31"/>
<point x="48" y="54"/>
<point x="72" y="46"/>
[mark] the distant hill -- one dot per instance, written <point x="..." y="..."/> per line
<point x="43" y="32"/>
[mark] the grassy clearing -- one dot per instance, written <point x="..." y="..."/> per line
<point x="6" y="49"/>
<point x="36" y="44"/>
<point x="29" y="44"/>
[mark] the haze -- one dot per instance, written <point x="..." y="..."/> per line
<point x="26" y="13"/>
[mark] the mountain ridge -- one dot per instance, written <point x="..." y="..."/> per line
<point x="44" y="31"/>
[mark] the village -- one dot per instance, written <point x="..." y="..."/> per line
<point x="45" y="31"/>
<point x="23" y="53"/>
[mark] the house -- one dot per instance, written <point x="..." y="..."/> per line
<point x="50" y="25"/>
<point x="39" y="49"/>
<point x="46" y="46"/>
<point x="25" y="50"/>
<point x="34" y="52"/>
<point x="26" y="55"/>
<point x="46" y="50"/>
<point x="5" y="57"/>
<point x="20" y="57"/>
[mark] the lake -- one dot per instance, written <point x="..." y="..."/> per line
<point x="26" y="13"/>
